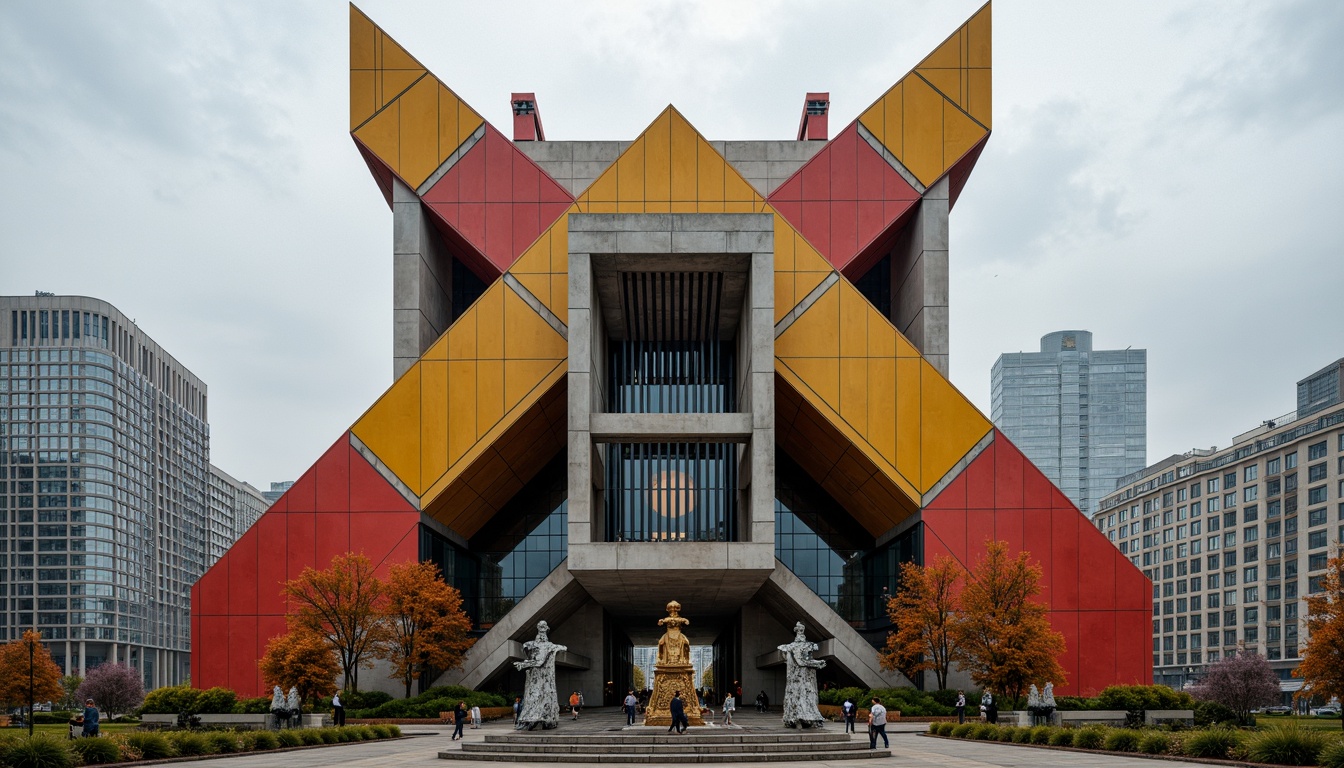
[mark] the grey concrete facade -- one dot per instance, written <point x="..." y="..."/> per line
<point x="919" y="291"/>
<point x="764" y="164"/>
<point x="422" y="280"/>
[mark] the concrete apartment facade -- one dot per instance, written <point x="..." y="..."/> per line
<point x="1080" y="414"/>
<point x="104" y="487"/>
<point x="1234" y="539"/>
<point x="234" y="506"/>
<point x="672" y="368"/>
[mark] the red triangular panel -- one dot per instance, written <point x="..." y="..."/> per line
<point x="493" y="203"/>
<point x="961" y="171"/>
<point x="381" y="173"/>
<point x="847" y="201"/>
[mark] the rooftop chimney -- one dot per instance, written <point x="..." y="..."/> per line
<point x="527" y="118"/>
<point x="813" y="125"/>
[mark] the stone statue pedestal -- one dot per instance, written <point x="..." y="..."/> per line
<point x="668" y="679"/>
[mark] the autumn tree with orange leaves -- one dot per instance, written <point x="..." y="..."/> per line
<point x="341" y="605"/>
<point x="426" y="629"/>
<point x="1002" y="632"/>
<point x="1322" y="667"/>
<point x="923" y="612"/>
<point x="15" y="667"/>
<point x="300" y="659"/>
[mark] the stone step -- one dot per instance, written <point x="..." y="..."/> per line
<point x="686" y="748"/>
<point x="662" y="737"/>
<point x="659" y="756"/>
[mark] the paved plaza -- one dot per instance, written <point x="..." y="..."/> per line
<point x="907" y="746"/>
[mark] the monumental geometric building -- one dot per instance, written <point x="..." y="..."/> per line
<point x="1079" y="414"/>
<point x="104" y="482"/>
<point x="629" y="372"/>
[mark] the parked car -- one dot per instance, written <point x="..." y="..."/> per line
<point x="1326" y="711"/>
<point x="1279" y="710"/>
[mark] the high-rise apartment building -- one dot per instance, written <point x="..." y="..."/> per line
<point x="1079" y="414"/>
<point x="104" y="481"/>
<point x="1233" y="539"/>
<point x="277" y="490"/>
<point x="234" y="506"/>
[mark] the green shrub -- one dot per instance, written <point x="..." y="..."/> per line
<point x="1212" y="713"/>
<point x="330" y="735"/>
<point x="97" y="751"/>
<point x="289" y="738"/>
<point x="837" y="696"/>
<point x="190" y="743"/>
<point x="1143" y="697"/>
<point x="1062" y="737"/>
<point x="311" y="736"/>
<point x="1022" y="735"/>
<point x="262" y="740"/>
<point x="1089" y="738"/>
<point x="154" y="746"/>
<point x="962" y="730"/>
<point x="261" y="705"/>
<point x="170" y="700"/>
<point x="41" y="751"/>
<point x="1286" y="744"/>
<point x="1122" y="740"/>
<point x="1008" y="732"/>
<point x="216" y="701"/>
<point x="1214" y="743"/>
<point x="225" y="742"/>
<point x="1332" y="756"/>
<point x="936" y="729"/>
<point x="1154" y="743"/>
<point x="1074" y="704"/>
<point x="1041" y="734"/>
<point x="366" y="733"/>
<point x="986" y="732"/>
<point x="394" y="730"/>
<point x="381" y="731"/>
<point x="344" y="735"/>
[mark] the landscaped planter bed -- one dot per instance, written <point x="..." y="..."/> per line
<point x="1218" y="746"/>
<point x="152" y="747"/>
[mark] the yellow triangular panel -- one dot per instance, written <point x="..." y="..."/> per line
<point x="670" y="163"/>
<point x="933" y="115"/>
<point x="391" y="428"/>
<point x="476" y="380"/>
<point x="403" y="114"/>
<point x="871" y="384"/>
<point x="798" y="267"/>
<point x="543" y="268"/>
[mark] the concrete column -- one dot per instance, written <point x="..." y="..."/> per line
<point x="919" y="293"/>
<point x="584" y="520"/>
<point x="422" y="277"/>
<point x="68" y="666"/>
<point x="112" y="657"/>
<point x="83" y="659"/>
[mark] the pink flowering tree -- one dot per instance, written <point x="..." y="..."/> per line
<point x="115" y="689"/>
<point x="1240" y="683"/>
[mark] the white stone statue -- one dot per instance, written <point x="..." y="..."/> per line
<point x="277" y="700"/>
<point x="1048" y="700"/>
<point x="1033" y="697"/>
<point x="294" y="704"/>
<point x="541" y="703"/>
<point x="800" y="687"/>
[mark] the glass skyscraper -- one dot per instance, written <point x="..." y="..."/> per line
<point x="104" y="487"/>
<point x="1080" y="415"/>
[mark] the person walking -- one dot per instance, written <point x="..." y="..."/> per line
<point x="459" y="720"/>
<point x="337" y="710"/>
<point x="729" y="707"/>
<point x="517" y="708"/>
<point x="90" y="719"/>
<point x="574" y="705"/>
<point x="631" y="703"/>
<point x="475" y="716"/>
<point x="986" y="704"/>
<point x="877" y="725"/>
<point x="961" y="706"/>
<point x="850" y="711"/>
<point x="678" y="709"/>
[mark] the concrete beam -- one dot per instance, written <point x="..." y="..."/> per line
<point x="681" y="427"/>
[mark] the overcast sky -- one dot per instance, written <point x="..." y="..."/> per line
<point x="1165" y="174"/>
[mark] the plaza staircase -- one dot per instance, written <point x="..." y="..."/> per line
<point x="658" y="746"/>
